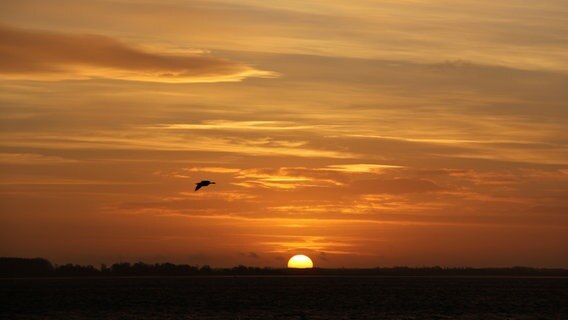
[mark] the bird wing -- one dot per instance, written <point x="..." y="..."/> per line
<point x="198" y="186"/>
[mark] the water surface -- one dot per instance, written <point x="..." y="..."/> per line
<point x="285" y="297"/>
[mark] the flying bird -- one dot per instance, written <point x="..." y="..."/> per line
<point x="203" y="183"/>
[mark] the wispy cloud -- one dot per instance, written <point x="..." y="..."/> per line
<point x="212" y="169"/>
<point x="43" y="55"/>
<point x="143" y="140"/>
<point x="33" y="159"/>
<point x="236" y="125"/>
<point x="361" y="167"/>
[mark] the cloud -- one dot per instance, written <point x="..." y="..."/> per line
<point x="252" y="255"/>
<point x="310" y="244"/>
<point x="237" y="125"/>
<point x="44" y="55"/>
<point x="361" y="167"/>
<point x="143" y="140"/>
<point x="283" y="178"/>
<point x="32" y="159"/>
<point x="213" y="169"/>
<point x="395" y="186"/>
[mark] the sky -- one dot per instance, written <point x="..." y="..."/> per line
<point x="361" y="133"/>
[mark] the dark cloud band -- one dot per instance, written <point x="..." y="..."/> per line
<point x="27" y="54"/>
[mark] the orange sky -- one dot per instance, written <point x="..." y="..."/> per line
<point x="361" y="133"/>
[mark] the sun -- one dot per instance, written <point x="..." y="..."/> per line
<point x="300" y="261"/>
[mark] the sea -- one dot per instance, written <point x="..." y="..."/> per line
<point x="285" y="297"/>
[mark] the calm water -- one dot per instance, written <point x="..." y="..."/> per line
<point x="284" y="298"/>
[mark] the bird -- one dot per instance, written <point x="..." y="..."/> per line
<point x="203" y="183"/>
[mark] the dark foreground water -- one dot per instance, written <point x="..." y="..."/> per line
<point x="285" y="297"/>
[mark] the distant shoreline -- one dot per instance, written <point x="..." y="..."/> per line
<point x="42" y="268"/>
<point x="279" y="276"/>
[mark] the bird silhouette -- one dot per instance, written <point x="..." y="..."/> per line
<point x="203" y="183"/>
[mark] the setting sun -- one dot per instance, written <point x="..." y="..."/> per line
<point x="300" y="261"/>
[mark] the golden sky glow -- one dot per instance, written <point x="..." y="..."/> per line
<point x="362" y="133"/>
